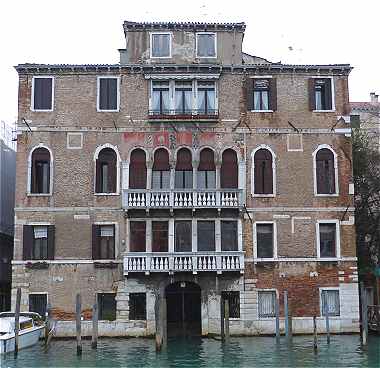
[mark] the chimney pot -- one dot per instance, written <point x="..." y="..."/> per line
<point x="374" y="98"/>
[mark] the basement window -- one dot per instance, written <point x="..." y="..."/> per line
<point x="267" y="303"/>
<point x="330" y="302"/>
<point x="233" y="299"/>
<point x="107" y="306"/>
<point x="38" y="303"/>
<point x="42" y="93"/>
<point x="108" y="94"/>
<point x="137" y="306"/>
<point x="160" y="45"/>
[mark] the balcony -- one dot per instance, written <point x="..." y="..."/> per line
<point x="194" y="262"/>
<point x="182" y="199"/>
<point x="198" y="115"/>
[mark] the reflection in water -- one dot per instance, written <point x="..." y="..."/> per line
<point x="344" y="351"/>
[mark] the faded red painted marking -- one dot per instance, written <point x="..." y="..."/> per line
<point x="184" y="138"/>
<point x="134" y="137"/>
<point x="161" y="139"/>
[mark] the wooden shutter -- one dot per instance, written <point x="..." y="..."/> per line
<point x="229" y="170"/>
<point x="263" y="180"/>
<point x="103" y="94"/>
<point x="137" y="170"/>
<point x="206" y="161"/>
<point x="325" y="172"/>
<point x="161" y="160"/>
<point x="42" y="93"/>
<point x="273" y="94"/>
<point x="137" y="236"/>
<point x="160" y="240"/>
<point x="112" y="93"/>
<point x="184" y="160"/>
<point x="50" y="241"/>
<point x="328" y="96"/>
<point x="95" y="242"/>
<point x="27" y="242"/>
<point x="311" y="94"/>
<point x="249" y="89"/>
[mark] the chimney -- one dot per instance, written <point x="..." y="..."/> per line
<point x="374" y="98"/>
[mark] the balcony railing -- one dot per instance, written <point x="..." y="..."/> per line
<point x="177" y="198"/>
<point x="184" y="262"/>
<point x="201" y="114"/>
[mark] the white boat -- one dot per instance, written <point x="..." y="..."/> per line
<point x="30" y="329"/>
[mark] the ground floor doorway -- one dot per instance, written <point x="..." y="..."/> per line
<point x="183" y="309"/>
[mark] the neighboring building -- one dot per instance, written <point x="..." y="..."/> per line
<point x="7" y="195"/>
<point x="187" y="173"/>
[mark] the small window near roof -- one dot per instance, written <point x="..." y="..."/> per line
<point x="206" y="45"/>
<point x="160" y="46"/>
<point x="267" y="302"/>
<point x="42" y="94"/>
<point x="320" y="94"/>
<point x="261" y="94"/>
<point x="330" y="302"/>
<point x="108" y="94"/>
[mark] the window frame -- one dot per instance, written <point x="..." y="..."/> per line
<point x="215" y="45"/>
<point x="272" y="195"/>
<point x="32" y="108"/>
<point x="151" y="45"/>
<point x="99" y="305"/>
<point x="98" y="78"/>
<point x="115" y="237"/>
<point x="337" y="239"/>
<point x="39" y="293"/>
<point x="333" y="108"/>
<point x="269" y="91"/>
<point x="129" y="307"/>
<point x="330" y="288"/>
<point x="275" y="255"/>
<point x="226" y="296"/>
<point x="129" y="239"/>
<point x="336" y="172"/>
<point x="276" y="298"/>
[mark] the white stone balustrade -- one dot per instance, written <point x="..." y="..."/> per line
<point x="184" y="262"/>
<point x="142" y="198"/>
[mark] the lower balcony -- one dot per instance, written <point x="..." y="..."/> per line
<point x="145" y="199"/>
<point x="194" y="262"/>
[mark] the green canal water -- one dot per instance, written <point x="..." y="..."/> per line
<point x="343" y="351"/>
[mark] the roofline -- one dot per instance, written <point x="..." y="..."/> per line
<point x="340" y="69"/>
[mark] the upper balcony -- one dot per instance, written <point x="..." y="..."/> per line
<point x="184" y="115"/>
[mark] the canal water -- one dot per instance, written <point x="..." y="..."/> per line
<point x="343" y="351"/>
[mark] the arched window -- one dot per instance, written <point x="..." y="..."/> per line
<point x="206" y="170"/>
<point x="263" y="174"/>
<point x="161" y="170"/>
<point x="184" y="170"/>
<point x="325" y="172"/>
<point x="229" y="169"/>
<point x="40" y="173"/>
<point x="137" y="169"/>
<point x="106" y="171"/>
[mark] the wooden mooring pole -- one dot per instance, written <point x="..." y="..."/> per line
<point x="78" y="309"/>
<point x="227" y="319"/>
<point x="364" y="324"/>
<point x="315" y="345"/>
<point x="47" y="323"/>
<point x="94" y="340"/>
<point x="222" y="336"/>
<point x="17" y="320"/>
<point x="277" y="310"/>
<point x="286" y="312"/>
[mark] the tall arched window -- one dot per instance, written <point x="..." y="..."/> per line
<point x="325" y="172"/>
<point x="161" y="170"/>
<point x="229" y="169"/>
<point x="40" y="173"/>
<point x="106" y="171"/>
<point x="263" y="174"/>
<point x="137" y="169"/>
<point x="206" y="170"/>
<point x="184" y="170"/>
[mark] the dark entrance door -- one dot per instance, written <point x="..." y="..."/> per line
<point x="183" y="309"/>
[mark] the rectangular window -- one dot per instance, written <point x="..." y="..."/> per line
<point x="38" y="303"/>
<point x="160" y="98"/>
<point x="107" y="306"/>
<point x="40" y="242"/>
<point x="322" y="94"/>
<point x="160" y="230"/>
<point x="233" y="299"/>
<point x="160" y="45"/>
<point x="330" y="302"/>
<point x="107" y="241"/>
<point x="206" y="236"/>
<point x="229" y="236"/>
<point x="183" y="179"/>
<point x="160" y="179"/>
<point x="183" y="236"/>
<point x="327" y="240"/>
<point x="108" y="94"/>
<point x="206" y="98"/>
<point x="184" y="97"/>
<point x="137" y="236"/>
<point x="261" y="94"/>
<point x="267" y="304"/>
<point x="206" y="179"/>
<point x="42" y="176"/>
<point x="137" y="306"/>
<point x="206" y="45"/>
<point x="265" y="240"/>
<point x="42" y="94"/>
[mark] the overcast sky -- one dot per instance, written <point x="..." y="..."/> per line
<point x="290" y="31"/>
